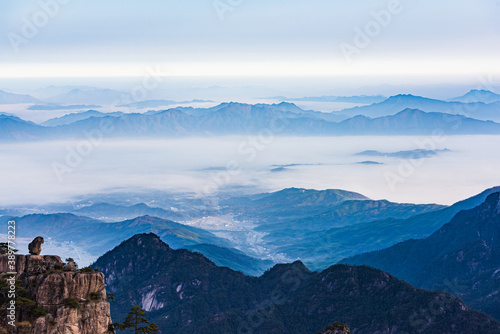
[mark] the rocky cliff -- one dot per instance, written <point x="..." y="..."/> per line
<point x="58" y="298"/>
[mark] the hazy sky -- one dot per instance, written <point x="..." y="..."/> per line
<point x="79" y="38"/>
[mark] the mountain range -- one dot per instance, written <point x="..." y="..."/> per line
<point x="11" y="98"/>
<point x="244" y="119"/>
<point x="362" y="99"/>
<point x="479" y="104"/>
<point x="200" y="282"/>
<point x="13" y="128"/>
<point x="83" y="95"/>
<point x="320" y="233"/>
<point x="113" y="212"/>
<point x="462" y="257"/>
<point x="75" y="117"/>
<point x="318" y="227"/>
<point x="184" y="292"/>
<point x="90" y="95"/>
<point x="394" y="104"/>
<point x="69" y="228"/>
<point x="62" y="107"/>
<point x="105" y="236"/>
<point x="159" y="103"/>
<point x="49" y="92"/>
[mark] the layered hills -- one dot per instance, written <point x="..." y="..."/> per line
<point x="462" y="257"/>
<point x="184" y="292"/>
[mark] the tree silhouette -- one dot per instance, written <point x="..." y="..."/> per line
<point x="69" y="260"/>
<point x="134" y="319"/>
<point x="4" y="248"/>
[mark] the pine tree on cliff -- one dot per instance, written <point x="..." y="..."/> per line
<point x="4" y="248"/>
<point x="134" y="319"/>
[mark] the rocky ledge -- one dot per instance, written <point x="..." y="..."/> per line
<point x="68" y="300"/>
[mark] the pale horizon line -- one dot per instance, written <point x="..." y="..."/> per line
<point x="415" y="69"/>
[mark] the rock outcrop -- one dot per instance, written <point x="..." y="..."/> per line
<point x="336" y="328"/>
<point x="74" y="301"/>
<point x="25" y="263"/>
<point x="35" y="247"/>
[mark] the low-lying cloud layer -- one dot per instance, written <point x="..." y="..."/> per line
<point x="58" y="171"/>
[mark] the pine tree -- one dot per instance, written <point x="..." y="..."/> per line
<point x="134" y="319"/>
<point x="69" y="260"/>
<point x="4" y="248"/>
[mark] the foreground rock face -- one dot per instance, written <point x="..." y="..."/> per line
<point x="75" y="302"/>
<point x="30" y="263"/>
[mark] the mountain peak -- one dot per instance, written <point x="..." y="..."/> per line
<point x="411" y="111"/>
<point x="300" y="196"/>
<point x="481" y="91"/>
<point x="405" y="97"/>
<point x="408" y="98"/>
<point x="279" y="269"/>
<point x="143" y="243"/>
<point x="402" y="95"/>
<point x="478" y="95"/>
<point x="148" y="239"/>
<point x="288" y="105"/>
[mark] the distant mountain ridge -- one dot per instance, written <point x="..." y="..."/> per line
<point x="232" y="258"/>
<point x="90" y="95"/>
<point x="327" y="234"/>
<point x="112" y="212"/>
<point x="318" y="227"/>
<point x="61" y="107"/>
<point x="394" y="104"/>
<point x="75" y="117"/>
<point x="478" y="95"/>
<point x="104" y="236"/>
<point x="73" y="229"/>
<point x="159" y="103"/>
<point x="13" y="128"/>
<point x="11" y="98"/>
<point x="244" y="119"/>
<point x="363" y="99"/>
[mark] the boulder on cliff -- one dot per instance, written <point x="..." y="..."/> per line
<point x="35" y="247"/>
